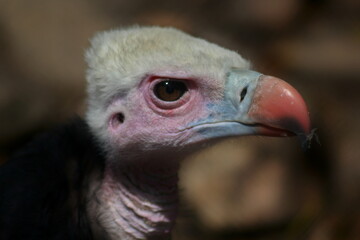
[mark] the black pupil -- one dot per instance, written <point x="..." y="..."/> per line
<point x="170" y="90"/>
<point x="171" y="87"/>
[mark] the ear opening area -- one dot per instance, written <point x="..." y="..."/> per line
<point x="116" y="120"/>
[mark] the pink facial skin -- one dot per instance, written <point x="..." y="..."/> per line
<point x="150" y="131"/>
<point x="149" y="121"/>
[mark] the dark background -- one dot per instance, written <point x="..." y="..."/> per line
<point x="250" y="188"/>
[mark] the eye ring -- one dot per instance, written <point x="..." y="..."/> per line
<point x="177" y="103"/>
<point x="170" y="90"/>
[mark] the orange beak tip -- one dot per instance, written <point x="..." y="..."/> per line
<point x="280" y="109"/>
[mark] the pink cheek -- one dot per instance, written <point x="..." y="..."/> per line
<point x="145" y="122"/>
<point x="169" y="112"/>
<point x="114" y="130"/>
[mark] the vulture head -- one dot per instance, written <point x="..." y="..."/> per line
<point x="156" y="93"/>
<point x="155" y="89"/>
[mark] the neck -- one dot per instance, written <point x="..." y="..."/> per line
<point x="138" y="200"/>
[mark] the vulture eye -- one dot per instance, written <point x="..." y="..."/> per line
<point x="170" y="90"/>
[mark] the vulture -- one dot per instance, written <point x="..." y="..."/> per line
<point x="154" y="95"/>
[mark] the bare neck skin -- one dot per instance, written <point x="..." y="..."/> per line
<point x="136" y="200"/>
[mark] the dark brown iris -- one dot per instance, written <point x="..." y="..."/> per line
<point x="170" y="90"/>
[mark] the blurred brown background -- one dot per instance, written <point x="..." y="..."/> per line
<point x="250" y="188"/>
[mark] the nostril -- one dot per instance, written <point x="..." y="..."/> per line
<point x="243" y="93"/>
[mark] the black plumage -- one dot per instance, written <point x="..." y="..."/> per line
<point x="43" y="187"/>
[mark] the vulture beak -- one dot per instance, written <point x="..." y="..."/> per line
<point x="255" y="104"/>
<point x="277" y="109"/>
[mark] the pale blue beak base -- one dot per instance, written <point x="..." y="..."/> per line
<point x="229" y="116"/>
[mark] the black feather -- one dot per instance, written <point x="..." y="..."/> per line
<point x="43" y="187"/>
